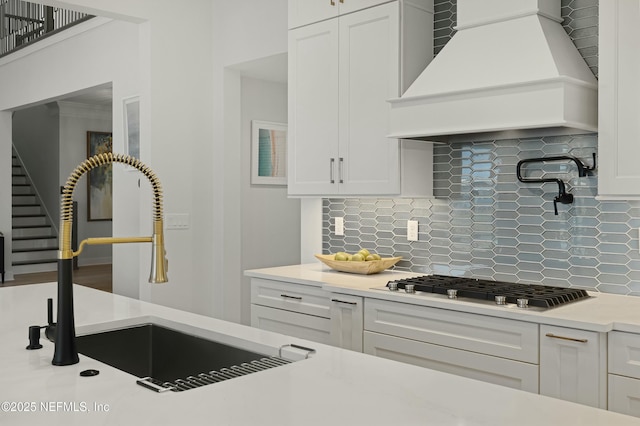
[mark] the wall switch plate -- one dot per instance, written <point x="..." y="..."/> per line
<point x="177" y="221"/>
<point x="339" y="225"/>
<point x="412" y="230"/>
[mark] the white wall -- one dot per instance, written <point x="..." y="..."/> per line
<point x="91" y="54"/>
<point x="243" y="31"/>
<point x="270" y="221"/>
<point x="178" y="72"/>
<point x="5" y="188"/>
<point x="75" y="121"/>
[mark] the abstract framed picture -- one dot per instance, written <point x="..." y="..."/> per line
<point x="99" y="179"/>
<point x="268" y="153"/>
<point x="131" y="108"/>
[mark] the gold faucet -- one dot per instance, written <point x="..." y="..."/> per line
<point x="65" y="337"/>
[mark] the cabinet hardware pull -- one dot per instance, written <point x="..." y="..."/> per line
<point x="332" y="162"/>
<point x="333" y="3"/>
<point x="341" y="1"/>
<point x="343" y="301"/>
<point x="573" y="339"/>
<point x="291" y="297"/>
<point x="340" y="170"/>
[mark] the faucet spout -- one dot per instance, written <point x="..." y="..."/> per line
<point x="66" y="352"/>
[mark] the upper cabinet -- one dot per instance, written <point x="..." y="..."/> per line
<point x="304" y="12"/>
<point x="619" y="100"/>
<point x="342" y="72"/>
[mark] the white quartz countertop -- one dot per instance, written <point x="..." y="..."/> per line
<point x="332" y="387"/>
<point x="602" y="312"/>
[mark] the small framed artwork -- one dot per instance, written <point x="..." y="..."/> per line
<point x="268" y="153"/>
<point x="131" y="108"/>
<point x="99" y="179"/>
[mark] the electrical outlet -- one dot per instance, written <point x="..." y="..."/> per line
<point x="412" y="230"/>
<point x="339" y="226"/>
<point x="177" y="221"/>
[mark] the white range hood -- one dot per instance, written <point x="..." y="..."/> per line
<point x="510" y="71"/>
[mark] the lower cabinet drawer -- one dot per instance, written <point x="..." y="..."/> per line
<point x="505" y="372"/>
<point x="304" y="299"/>
<point x="624" y="395"/>
<point x="293" y="324"/>
<point x="500" y="337"/>
<point x="624" y="354"/>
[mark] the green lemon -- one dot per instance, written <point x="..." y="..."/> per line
<point x="340" y="256"/>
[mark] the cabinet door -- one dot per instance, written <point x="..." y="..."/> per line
<point x="500" y="371"/>
<point x="293" y="324"/>
<point x="619" y="99"/>
<point x="313" y="109"/>
<point x="624" y="395"/>
<point x="369" y="75"/>
<point x="346" y="322"/>
<point x="573" y="365"/>
<point x="303" y="12"/>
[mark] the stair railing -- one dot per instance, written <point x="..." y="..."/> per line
<point x="23" y="23"/>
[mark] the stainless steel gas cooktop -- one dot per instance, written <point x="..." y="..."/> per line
<point x="497" y="292"/>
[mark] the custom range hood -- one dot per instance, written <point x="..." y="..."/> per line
<point x="510" y="71"/>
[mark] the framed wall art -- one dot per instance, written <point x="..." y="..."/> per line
<point x="268" y="153"/>
<point x="131" y="108"/>
<point x="99" y="179"/>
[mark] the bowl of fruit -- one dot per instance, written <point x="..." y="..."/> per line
<point x="362" y="262"/>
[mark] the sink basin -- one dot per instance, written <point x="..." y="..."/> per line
<point x="168" y="359"/>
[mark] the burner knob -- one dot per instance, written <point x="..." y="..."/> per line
<point x="452" y="293"/>
<point x="409" y="288"/>
<point x="522" y="303"/>
<point x="501" y="300"/>
<point x="393" y="286"/>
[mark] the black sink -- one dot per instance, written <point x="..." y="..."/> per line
<point x="163" y="354"/>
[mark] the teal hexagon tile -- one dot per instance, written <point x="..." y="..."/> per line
<point x="614" y="288"/>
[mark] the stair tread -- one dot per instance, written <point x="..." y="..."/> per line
<point x="29" y="215"/>
<point x="30" y="226"/>
<point x="27" y="250"/>
<point x="34" y="237"/>
<point x="33" y="262"/>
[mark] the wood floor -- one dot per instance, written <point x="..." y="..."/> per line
<point x="94" y="276"/>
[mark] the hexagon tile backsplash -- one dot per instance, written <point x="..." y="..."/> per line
<point x="485" y="223"/>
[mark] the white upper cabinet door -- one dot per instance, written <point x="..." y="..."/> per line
<point x="304" y="12"/>
<point x="313" y="109"/>
<point x="619" y="100"/>
<point x="369" y="76"/>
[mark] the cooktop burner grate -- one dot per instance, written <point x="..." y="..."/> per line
<point x="537" y="295"/>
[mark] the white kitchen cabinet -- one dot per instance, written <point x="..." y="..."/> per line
<point x="495" y="350"/>
<point x="624" y="373"/>
<point x="303" y="12"/>
<point x="499" y="371"/>
<point x="347" y="316"/>
<point x="618" y="100"/>
<point x="293" y="309"/>
<point x="342" y="71"/>
<point x="573" y="365"/>
<point x="303" y="326"/>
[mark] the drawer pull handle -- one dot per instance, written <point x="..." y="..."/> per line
<point x="333" y="3"/>
<point x="332" y="162"/>
<point x="344" y="301"/>
<point x="573" y="339"/>
<point x="291" y="297"/>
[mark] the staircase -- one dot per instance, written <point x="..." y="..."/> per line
<point x="34" y="242"/>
